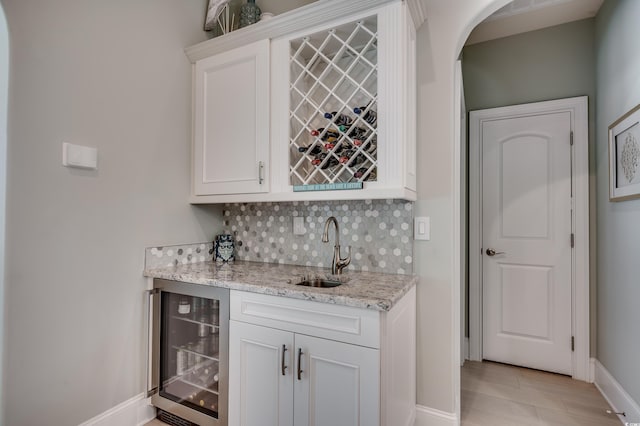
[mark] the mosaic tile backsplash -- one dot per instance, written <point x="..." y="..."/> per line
<point x="380" y="233"/>
<point x="160" y="257"/>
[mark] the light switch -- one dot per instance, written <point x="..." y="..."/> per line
<point x="422" y="228"/>
<point x="83" y="157"/>
<point x="298" y="225"/>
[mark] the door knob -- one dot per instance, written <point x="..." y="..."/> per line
<point x="491" y="252"/>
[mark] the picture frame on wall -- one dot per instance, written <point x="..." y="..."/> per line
<point x="624" y="157"/>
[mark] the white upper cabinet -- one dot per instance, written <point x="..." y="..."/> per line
<point x="315" y="104"/>
<point x="231" y="135"/>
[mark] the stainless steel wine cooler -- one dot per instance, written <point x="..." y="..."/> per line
<point x="189" y="346"/>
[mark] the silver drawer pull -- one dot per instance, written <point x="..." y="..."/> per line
<point x="284" y="367"/>
<point x="299" y="361"/>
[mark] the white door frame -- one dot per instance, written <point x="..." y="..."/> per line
<point x="578" y="108"/>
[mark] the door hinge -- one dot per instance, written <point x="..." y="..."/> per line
<point x="571" y="138"/>
<point x="573" y="240"/>
<point x="573" y="344"/>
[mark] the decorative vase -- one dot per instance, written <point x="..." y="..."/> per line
<point x="224" y="246"/>
<point x="249" y="13"/>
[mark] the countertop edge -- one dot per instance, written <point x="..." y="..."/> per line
<point x="383" y="304"/>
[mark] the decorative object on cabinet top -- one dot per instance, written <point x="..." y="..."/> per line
<point x="309" y="16"/>
<point x="249" y="13"/>
<point x="219" y="17"/>
<point x="368" y="290"/>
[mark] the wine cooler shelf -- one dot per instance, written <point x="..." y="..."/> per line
<point x="333" y="116"/>
<point x="204" y="375"/>
<point x="192" y="396"/>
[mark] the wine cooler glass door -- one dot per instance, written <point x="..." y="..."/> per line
<point x="190" y="359"/>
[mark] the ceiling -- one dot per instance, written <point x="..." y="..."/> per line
<point x="521" y="16"/>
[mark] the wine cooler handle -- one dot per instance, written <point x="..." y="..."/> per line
<point x="153" y="341"/>
<point x="284" y="367"/>
<point x="299" y="364"/>
<point x="260" y="172"/>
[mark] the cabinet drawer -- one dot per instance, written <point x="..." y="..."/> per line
<point x="341" y="323"/>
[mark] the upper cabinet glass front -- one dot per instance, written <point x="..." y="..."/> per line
<point x="333" y="105"/>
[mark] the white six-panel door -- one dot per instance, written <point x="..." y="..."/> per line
<point x="526" y="211"/>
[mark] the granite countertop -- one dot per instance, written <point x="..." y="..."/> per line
<point x="370" y="290"/>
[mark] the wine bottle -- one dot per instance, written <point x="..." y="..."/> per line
<point x="357" y="160"/>
<point x="319" y="159"/>
<point x="336" y="149"/>
<point x="310" y="149"/>
<point x="331" y="135"/>
<point x="362" y="175"/>
<point x="332" y="162"/>
<point x="339" y="119"/>
<point x="346" y="155"/>
<point x="371" y="117"/>
<point x="358" y="134"/>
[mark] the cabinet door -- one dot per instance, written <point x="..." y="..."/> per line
<point x="231" y="134"/>
<point x="260" y="389"/>
<point x="339" y="384"/>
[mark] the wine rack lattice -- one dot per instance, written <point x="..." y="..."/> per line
<point x="333" y="113"/>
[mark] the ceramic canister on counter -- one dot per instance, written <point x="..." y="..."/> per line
<point x="224" y="247"/>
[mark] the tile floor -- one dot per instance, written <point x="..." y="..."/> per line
<point x="498" y="395"/>
<point x="501" y="395"/>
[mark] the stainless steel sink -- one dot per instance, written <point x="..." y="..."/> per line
<point x="319" y="282"/>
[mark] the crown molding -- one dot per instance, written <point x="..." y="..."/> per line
<point x="418" y="11"/>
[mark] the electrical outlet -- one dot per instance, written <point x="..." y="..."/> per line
<point x="422" y="228"/>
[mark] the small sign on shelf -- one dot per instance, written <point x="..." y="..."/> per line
<point x="328" y="186"/>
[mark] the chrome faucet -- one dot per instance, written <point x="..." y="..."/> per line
<point x="338" y="264"/>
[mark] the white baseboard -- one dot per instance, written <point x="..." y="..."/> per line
<point x="135" y="411"/>
<point x="615" y="395"/>
<point x="426" y="416"/>
<point x="592" y="370"/>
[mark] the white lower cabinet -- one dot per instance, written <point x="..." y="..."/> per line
<point x="282" y="378"/>
<point x="302" y="363"/>
<point x="338" y="383"/>
<point x="260" y="366"/>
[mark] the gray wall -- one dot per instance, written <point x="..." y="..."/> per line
<point x="4" y="77"/>
<point x="113" y="75"/>
<point x="552" y="63"/>
<point x="617" y="35"/>
<point x="439" y="42"/>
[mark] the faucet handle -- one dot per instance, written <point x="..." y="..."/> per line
<point x="343" y="263"/>
<point x="348" y="258"/>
